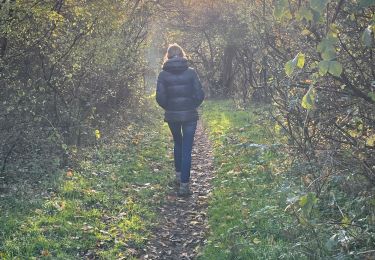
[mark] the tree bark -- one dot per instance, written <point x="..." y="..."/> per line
<point x="227" y="73"/>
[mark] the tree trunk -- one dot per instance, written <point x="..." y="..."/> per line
<point x="227" y="73"/>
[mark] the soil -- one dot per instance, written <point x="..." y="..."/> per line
<point x="181" y="231"/>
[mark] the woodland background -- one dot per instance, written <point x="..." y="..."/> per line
<point x="72" y="73"/>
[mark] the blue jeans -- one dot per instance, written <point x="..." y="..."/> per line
<point x="183" y="138"/>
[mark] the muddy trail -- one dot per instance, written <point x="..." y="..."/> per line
<point x="182" y="226"/>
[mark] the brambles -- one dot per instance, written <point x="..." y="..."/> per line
<point x="69" y="69"/>
<point x="313" y="61"/>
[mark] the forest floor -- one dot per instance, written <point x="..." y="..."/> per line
<point x="121" y="201"/>
<point x="104" y="208"/>
<point x="182" y="226"/>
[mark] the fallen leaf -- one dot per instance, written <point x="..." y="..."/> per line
<point x="45" y="252"/>
<point x="69" y="173"/>
<point x="256" y="241"/>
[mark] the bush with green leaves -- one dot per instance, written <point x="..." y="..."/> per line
<point x="313" y="60"/>
<point x="68" y="69"/>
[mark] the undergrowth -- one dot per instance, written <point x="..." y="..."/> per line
<point x="261" y="207"/>
<point x="102" y="209"/>
<point x="246" y="212"/>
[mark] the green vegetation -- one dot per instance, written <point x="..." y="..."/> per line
<point x="296" y="175"/>
<point x="246" y="213"/>
<point x="68" y="68"/>
<point x="311" y="63"/>
<point x="262" y="207"/>
<point x="104" y="208"/>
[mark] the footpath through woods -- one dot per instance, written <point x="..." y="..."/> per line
<point x="120" y="201"/>
<point x="181" y="232"/>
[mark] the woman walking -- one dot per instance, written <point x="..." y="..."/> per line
<point x="180" y="93"/>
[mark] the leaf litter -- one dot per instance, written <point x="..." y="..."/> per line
<point x="183" y="224"/>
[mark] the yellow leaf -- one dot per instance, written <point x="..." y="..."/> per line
<point x="97" y="134"/>
<point x="370" y="141"/>
<point x="308" y="100"/>
<point x="277" y="128"/>
<point x="345" y="221"/>
<point x="306" y="32"/>
<point x="300" y="60"/>
<point x="353" y="133"/>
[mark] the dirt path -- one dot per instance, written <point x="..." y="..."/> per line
<point x="183" y="221"/>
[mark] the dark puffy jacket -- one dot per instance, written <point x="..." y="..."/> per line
<point x="179" y="91"/>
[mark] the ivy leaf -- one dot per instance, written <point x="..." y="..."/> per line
<point x="328" y="55"/>
<point x="323" y="67"/>
<point x="335" y="68"/>
<point x="367" y="36"/>
<point x="327" y="44"/>
<point x="308" y="103"/>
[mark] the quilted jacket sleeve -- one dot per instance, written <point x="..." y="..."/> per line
<point x="161" y="93"/>
<point x="199" y="94"/>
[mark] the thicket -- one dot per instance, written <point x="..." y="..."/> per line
<point x="69" y="71"/>
<point x="313" y="61"/>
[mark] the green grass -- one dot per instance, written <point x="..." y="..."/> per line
<point x="262" y="207"/>
<point x="246" y="212"/>
<point x="104" y="209"/>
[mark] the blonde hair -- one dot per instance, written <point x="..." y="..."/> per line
<point x="174" y="50"/>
